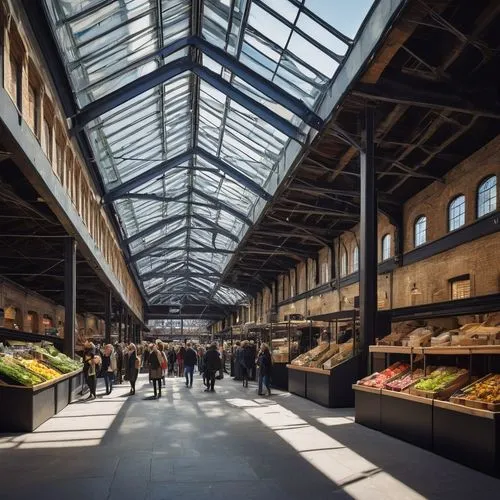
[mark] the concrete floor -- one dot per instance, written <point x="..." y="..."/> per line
<point x="229" y="445"/>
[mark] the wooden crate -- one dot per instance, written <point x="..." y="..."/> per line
<point x="459" y="398"/>
<point x="458" y="383"/>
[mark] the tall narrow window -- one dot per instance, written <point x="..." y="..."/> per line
<point x="47" y="139"/>
<point x="386" y="247"/>
<point x="355" y="259"/>
<point x="343" y="263"/>
<point x="456" y="213"/>
<point x="325" y="272"/>
<point x="487" y="196"/>
<point x="420" y="231"/>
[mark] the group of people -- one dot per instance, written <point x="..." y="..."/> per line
<point x="125" y="361"/>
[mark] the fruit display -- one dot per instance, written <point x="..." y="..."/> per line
<point x="345" y="351"/>
<point x="402" y="383"/>
<point x="377" y="380"/>
<point x="15" y="372"/>
<point x="486" y="390"/>
<point x="439" y="379"/>
<point x="38" y="368"/>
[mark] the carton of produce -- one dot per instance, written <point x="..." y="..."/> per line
<point x="403" y="382"/>
<point x="441" y="383"/>
<point x="483" y="394"/>
<point x="377" y="380"/>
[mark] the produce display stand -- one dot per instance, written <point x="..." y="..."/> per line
<point x="26" y="408"/>
<point x="7" y="334"/>
<point x="330" y="388"/>
<point x="467" y="435"/>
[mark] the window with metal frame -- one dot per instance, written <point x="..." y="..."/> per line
<point x="343" y="263"/>
<point x="456" y="213"/>
<point x="355" y="259"/>
<point x="420" y="231"/>
<point x="460" y="287"/>
<point x="386" y="247"/>
<point x="487" y="196"/>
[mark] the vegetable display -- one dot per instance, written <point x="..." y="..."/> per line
<point x="17" y="373"/>
<point x="439" y="379"/>
<point x="38" y="368"/>
<point x="487" y="390"/>
<point x="377" y="380"/>
<point x="58" y="360"/>
<point x="402" y="383"/>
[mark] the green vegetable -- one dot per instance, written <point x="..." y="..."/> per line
<point x="17" y="373"/>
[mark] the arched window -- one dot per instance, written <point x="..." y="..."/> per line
<point x="456" y="213"/>
<point x="355" y="259"/>
<point x="386" y="247"/>
<point x="420" y="231"/>
<point x="487" y="196"/>
<point x="343" y="263"/>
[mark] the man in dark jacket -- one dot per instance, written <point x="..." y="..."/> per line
<point x="190" y="359"/>
<point x="212" y="366"/>
<point x="248" y="362"/>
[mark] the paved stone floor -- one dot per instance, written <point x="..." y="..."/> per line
<point x="229" y="445"/>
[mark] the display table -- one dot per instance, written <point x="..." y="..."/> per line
<point x="330" y="388"/>
<point x="279" y="377"/>
<point x="367" y="406"/>
<point x="26" y="408"/>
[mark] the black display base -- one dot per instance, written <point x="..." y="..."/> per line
<point x="406" y="419"/>
<point x="472" y="440"/>
<point x="367" y="407"/>
<point x="24" y="409"/>
<point x="279" y="378"/>
<point x="297" y="382"/>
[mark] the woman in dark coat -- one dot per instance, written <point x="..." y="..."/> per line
<point x="155" y="371"/>
<point x="132" y="367"/>
<point x="265" y="364"/>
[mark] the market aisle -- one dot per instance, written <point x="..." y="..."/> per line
<point x="228" y="445"/>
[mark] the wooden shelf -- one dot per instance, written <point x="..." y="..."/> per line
<point x="441" y="351"/>
<point x="308" y="369"/>
<point x="393" y="349"/>
<point x="407" y="396"/>
<point x="465" y="409"/>
<point x="364" y="388"/>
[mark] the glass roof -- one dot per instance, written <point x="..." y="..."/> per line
<point x="189" y="106"/>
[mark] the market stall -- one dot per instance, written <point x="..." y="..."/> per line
<point x="36" y="382"/>
<point x="436" y="382"/>
<point x="326" y="363"/>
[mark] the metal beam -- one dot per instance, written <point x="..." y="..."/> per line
<point x="434" y="96"/>
<point x="146" y="176"/>
<point x="69" y="296"/>
<point x="182" y="274"/>
<point x="223" y="206"/>
<point x="368" y="239"/>
<point x="139" y="255"/>
<point x="154" y="227"/>
<point x="258" y="109"/>
<point x="213" y="225"/>
<point x="194" y="250"/>
<point x="129" y="91"/>
<point x="233" y="173"/>
<point x="260" y="83"/>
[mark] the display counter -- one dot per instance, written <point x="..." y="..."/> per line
<point x="330" y="388"/>
<point x="460" y="432"/>
<point x="26" y="408"/>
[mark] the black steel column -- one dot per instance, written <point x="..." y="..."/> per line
<point x="108" y="305"/>
<point x="368" y="238"/>
<point x="69" y="296"/>
<point x="131" y="329"/>
<point x="120" y="321"/>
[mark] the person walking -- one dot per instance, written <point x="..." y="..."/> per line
<point x="190" y="359"/>
<point x="155" y="372"/>
<point x="132" y="367"/>
<point x="180" y="361"/>
<point x="247" y="362"/>
<point x="265" y="364"/>
<point x="164" y="361"/>
<point x="171" y="357"/>
<point x="212" y="366"/>
<point x="237" y="360"/>
<point x="119" y="362"/>
<point x="89" y="368"/>
<point x="108" y="367"/>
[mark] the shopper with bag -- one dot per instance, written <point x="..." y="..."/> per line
<point x="108" y="368"/>
<point x="133" y="366"/>
<point x="164" y="361"/>
<point x="155" y="371"/>
<point x="212" y="366"/>
<point x="265" y="364"/>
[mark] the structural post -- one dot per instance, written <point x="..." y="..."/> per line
<point x="120" y="321"/>
<point x="108" y="305"/>
<point x="182" y="328"/>
<point x="69" y="296"/>
<point x="368" y="239"/>
<point x="131" y="329"/>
